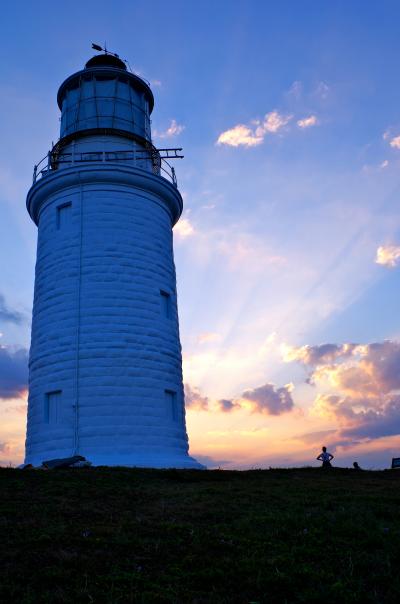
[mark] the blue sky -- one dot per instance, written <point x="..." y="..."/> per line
<point x="289" y="116"/>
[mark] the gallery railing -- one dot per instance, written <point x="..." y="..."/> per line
<point x="140" y="158"/>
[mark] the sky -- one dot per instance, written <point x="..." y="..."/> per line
<point x="288" y="249"/>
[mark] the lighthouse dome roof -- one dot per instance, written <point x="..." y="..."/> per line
<point x="106" y="60"/>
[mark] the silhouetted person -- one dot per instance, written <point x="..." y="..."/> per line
<point x="356" y="466"/>
<point x="325" y="457"/>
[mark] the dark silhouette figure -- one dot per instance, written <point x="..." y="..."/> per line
<point x="326" y="458"/>
<point x="356" y="466"/>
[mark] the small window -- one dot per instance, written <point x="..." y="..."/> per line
<point x="52" y="402"/>
<point x="166" y="304"/>
<point x="170" y="400"/>
<point x="64" y="213"/>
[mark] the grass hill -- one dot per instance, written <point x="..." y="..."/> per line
<point x="130" y="535"/>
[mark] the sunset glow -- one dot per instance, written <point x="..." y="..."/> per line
<point x="288" y="249"/>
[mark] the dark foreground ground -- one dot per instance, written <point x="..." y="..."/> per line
<point x="276" y="536"/>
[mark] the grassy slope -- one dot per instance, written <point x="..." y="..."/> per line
<point x="126" y="535"/>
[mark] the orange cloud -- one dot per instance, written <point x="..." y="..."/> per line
<point x="363" y="382"/>
<point x="388" y="255"/>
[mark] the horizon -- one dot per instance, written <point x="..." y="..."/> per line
<point x="288" y="249"/>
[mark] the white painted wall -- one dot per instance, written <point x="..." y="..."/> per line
<point x="105" y="360"/>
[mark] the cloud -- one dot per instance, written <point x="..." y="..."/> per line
<point x="184" y="228"/>
<point x="226" y="405"/>
<point x="388" y="255"/>
<point x="296" y="89"/>
<point x="377" y="370"/>
<point x="359" y="370"/>
<point x="384" y="164"/>
<point x="270" y="400"/>
<point x="322" y="90"/>
<point x="174" y="129"/>
<point x="317" y="355"/>
<point x="361" y="383"/>
<point x="13" y="372"/>
<point x="266" y="399"/>
<point x="375" y="417"/>
<point x="273" y="122"/>
<point x="306" y="122"/>
<point x="194" y="399"/>
<point x="242" y="135"/>
<point x="395" y="142"/>
<point x="8" y="315"/>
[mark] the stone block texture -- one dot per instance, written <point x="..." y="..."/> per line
<point x="105" y="361"/>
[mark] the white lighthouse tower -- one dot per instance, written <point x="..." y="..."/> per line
<point x="105" y="362"/>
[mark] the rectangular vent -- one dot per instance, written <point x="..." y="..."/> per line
<point x="166" y="304"/>
<point x="52" y="403"/>
<point x="171" y="404"/>
<point x="64" y="215"/>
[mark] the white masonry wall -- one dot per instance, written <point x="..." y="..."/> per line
<point x="105" y="364"/>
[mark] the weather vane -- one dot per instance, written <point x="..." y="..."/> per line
<point x="113" y="54"/>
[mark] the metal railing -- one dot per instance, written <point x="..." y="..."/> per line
<point x="139" y="158"/>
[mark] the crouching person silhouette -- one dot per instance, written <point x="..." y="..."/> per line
<point x="325" y="457"/>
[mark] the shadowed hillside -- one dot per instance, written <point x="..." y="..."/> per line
<point x="128" y="535"/>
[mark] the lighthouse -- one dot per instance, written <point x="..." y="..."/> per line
<point x="105" y="368"/>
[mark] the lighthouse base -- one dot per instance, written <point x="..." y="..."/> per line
<point x="147" y="461"/>
<point x="182" y="462"/>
